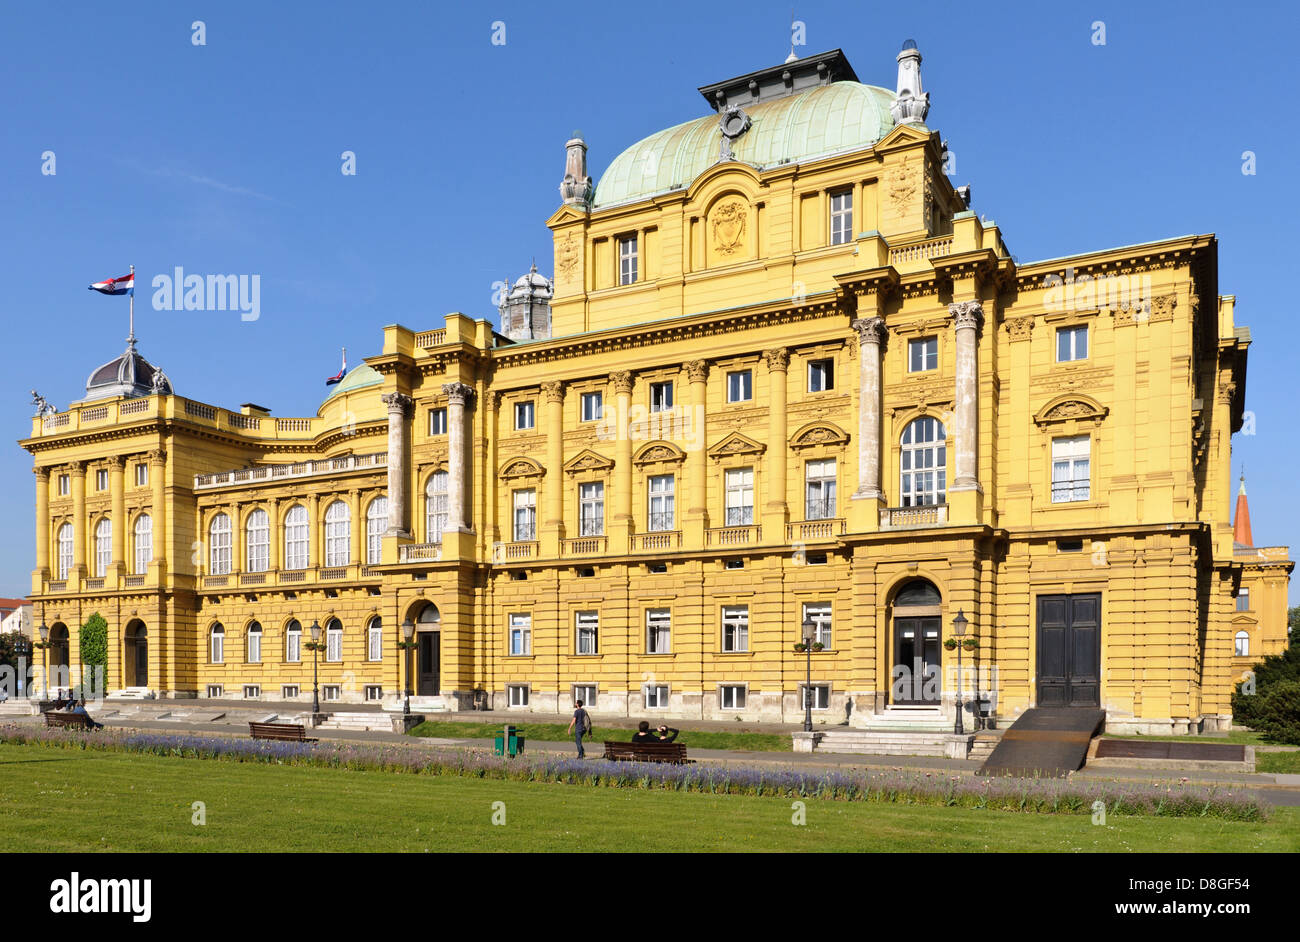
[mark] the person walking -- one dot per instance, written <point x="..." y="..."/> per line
<point x="580" y="725"/>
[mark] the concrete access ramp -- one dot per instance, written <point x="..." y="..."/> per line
<point x="1045" y="743"/>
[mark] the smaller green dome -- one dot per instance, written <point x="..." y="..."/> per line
<point x="358" y="377"/>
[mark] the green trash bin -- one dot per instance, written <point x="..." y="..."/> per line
<point x="511" y="742"/>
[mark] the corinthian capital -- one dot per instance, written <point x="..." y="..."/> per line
<point x="41" y="473"/>
<point x="398" y="403"/>
<point x="697" y="370"/>
<point x="871" y="330"/>
<point x="622" y="381"/>
<point x="458" y="393"/>
<point x="967" y="314"/>
<point x="778" y="360"/>
<point x="554" y="392"/>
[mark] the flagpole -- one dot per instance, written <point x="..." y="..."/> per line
<point x="131" y="338"/>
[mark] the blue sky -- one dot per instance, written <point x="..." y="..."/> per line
<point x="226" y="158"/>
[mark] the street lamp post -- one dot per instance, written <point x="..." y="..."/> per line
<point x="406" y="644"/>
<point x="44" y="645"/>
<point x="959" y="625"/>
<point x="809" y="633"/>
<point x="315" y="646"/>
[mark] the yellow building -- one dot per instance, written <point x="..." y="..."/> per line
<point x="1259" y="624"/>
<point x="784" y="375"/>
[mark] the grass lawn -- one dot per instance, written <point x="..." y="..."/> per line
<point x="558" y="732"/>
<point x="54" y="799"/>
<point x="1284" y="762"/>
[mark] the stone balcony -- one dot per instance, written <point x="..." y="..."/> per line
<point x="419" y="552"/>
<point x="912" y="518"/>
<point x="826" y="530"/>
<point x="300" y="469"/>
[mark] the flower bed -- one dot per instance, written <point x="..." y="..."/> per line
<point x="1046" y="796"/>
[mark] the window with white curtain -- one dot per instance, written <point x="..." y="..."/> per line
<point x="819" y="487"/>
<point x="658" y="630"/>
<point x="525" y="520"/>
<point x="375" y="639"/>
<point x="735" y="628"/>
<point x="376" y="526"/>
<point x="435" y="507"/>
<point x="258" y="537"/>
<point x="295" y="537"/>
<point x="588" y="628"/>
<point x="293" y="642"/>
<point x="334" y="640"/>
<point x="740" y="497"/>
<point x="924" y="463"/>
<point x="65" y="550"/>
<point x="661" y="503"/>
<point x="254" y="643"/>
<point x="143" y="531"/>
<point x="103" y="546"/>
<point x="1070" y="468"/>
<point x="219" y="545"/>
<point x="820" y="614"/>
<point x="591" y="509"/>
<point x="338" y="534"/>
<point x="218" y="644"/>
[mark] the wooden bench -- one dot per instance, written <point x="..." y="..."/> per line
<point x="290" y="732"/>
<point x="74" y="720"/>
<point x="674" y="752"/>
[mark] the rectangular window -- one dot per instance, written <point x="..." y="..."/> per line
<point x="143" y="544"/>
<point x="1070" y="469"/>
<point x="525" y="528"/>
<point x="584" y="692"/>
<point x="656" y="696"/>
<point x="593" y="408"/>
<point x="841" y="217"/>
<point x="740" y="497"/>
<point x="331" y="692"/>
<point x="288" y="691"/>
<point x="821" y="696"/>
<point x="252" y="691"/>
<point x="101" y="480"/>
<point x="521" y="634"/>
<point x="524" y="417"/>
<point x="661" y="503"/>
<point x="215" y="691"/>
<point x="661" y="397"/>
<point x="591" y="509"/>
<point x="819" y="489"/>
<point x="821" y="375"/>
<point x="735" y="628"/>
<point x="64" y="485"/>
<point x="588" y="628"/>
<point x="438" y="421"/>
<point x="627" y="260"/>
<point x="1071" y="343"/>
<point x="518" y="694"/>
<point x="292" y="645"/>
<point x="731" y="697"/>
<point x="658" y="630"/>
<point x="740" y="386"/>
<point x="1243" y="600"/>
<point x="820" y="614"/>
<point x="922" y="354"/>
<point x="141" y="475"/>
<point x="374" y="692"/>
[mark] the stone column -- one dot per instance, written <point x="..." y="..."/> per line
<point x="778" y="450"/>
<point x="315" y="532"/>
<point x="79" y="558"/>
<point x="696" y="520"/>
<point x="552" y="510"/>
<point x="873" y="337"/>
<point x="358" y="537"/>
<point x="158" y="512"/>
<point x="117" y="496"/>
<point x="399" y="406"/>
<point x="968" y="318"/>
<point x="277" y="535"/>
<point x="236" y="541"/>
<point x="621" y="531"/>
<point x="458" y="398"/>
<point x="42" y="520"/>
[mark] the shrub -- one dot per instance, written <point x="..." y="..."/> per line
<point x="94" y="647"/>
<point x="1275" y="711"/>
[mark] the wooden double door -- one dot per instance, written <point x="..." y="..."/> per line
<point x="918" y="661"/>
<point x="1069" y="650"/>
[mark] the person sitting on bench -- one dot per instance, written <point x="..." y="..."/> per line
<point x="79" y="709"/>
<point x="645" y="735"/>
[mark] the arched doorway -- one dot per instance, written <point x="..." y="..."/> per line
<point x="916" y="675"/>
<point x="136" y="656"/>
<point x="59" y="658"/>
<point x="428" y="654"/>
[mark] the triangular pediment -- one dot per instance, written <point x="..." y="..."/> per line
<point x="564" y="215"/>
<point x="587" y="460"/>
<point x="902" y="136"/>
<point x="736" y="444"/>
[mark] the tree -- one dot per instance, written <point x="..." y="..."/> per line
<point x="94" y="647"/>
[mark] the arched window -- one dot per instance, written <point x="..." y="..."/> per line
<point x="1242" y="646"/>
<point x="334" y="640"/>
<point x="259" y="541"/>
<point x="218" y="644"/>
<point x="254" y="643"/>
<point x="103" y="546"/>
<point x="924" y="463"/>
<point x="917" y="592"/>
<point x="143" y="544"/>
<point x="435" y="513"/>
<point x="376" y="525"/>
<point x="375" y="639"/>
<point x="293" y="642"/>
<point x="219" y="545"/>
<point x="295" y="538"/>
<point x="338" y="534"/>
<point x="65" y="550"/>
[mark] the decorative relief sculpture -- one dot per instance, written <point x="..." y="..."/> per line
<point x="729" y="227"/>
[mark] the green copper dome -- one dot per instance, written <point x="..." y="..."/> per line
<point x="358" y="377"/>
<point x="828" y="119"/>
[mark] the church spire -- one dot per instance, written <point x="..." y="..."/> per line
<point x="1241" y="518"/>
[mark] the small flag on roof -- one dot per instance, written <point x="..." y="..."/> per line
<point x="339" y="378"/>
<point x="123" y="285"/>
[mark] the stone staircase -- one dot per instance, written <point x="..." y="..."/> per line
<point x="908" y="719"/>
<point x="429" y="705"/>
<point x="359" y="721"/>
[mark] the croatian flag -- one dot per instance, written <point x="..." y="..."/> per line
<point x="123" y="285"/>
<point x="339" y="378"/>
